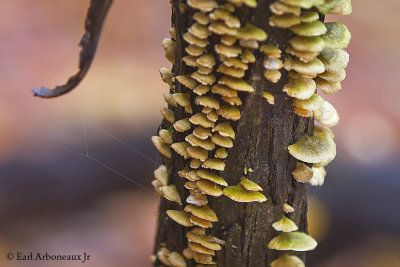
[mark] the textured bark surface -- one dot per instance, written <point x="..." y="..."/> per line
<point x="262" y="136"/>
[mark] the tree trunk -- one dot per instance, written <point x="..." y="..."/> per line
<point x="262" y="136"/>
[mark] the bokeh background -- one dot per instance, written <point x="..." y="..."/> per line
<point x="75" y="171"/>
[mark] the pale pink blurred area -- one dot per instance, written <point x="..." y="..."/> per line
<point x="55" y="198"/>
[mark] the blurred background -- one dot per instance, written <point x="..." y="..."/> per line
<point x="75" y="171"/>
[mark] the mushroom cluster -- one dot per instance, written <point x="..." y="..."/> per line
<point x="210" y="97"/>
<point x="314" y="60"/>
<point x="204" y="105"/>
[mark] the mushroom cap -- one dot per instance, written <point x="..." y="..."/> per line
<point x="240" y="194"/>
<point x="285" y="225"/>
<point x="234" y="62"/>
<point x="166" y="76"/>
<point x="333" y="76"/>
<point x="204" y="240"/>
<point x="337" y="36"/>
<point x="200" y="222"/>
<point x="314" y="149"/>
<point x="177" y="259"/>
<point x="228" y="50"/>
<point x="168" y="114"/>
<point x="201" y="17"/>
<point x="303" y="112"/>
<point x="202" y="120"/>
<point x="253" y="44"/>
<point x="295" y="241"/>
<point x="336" y="7"/>
<point x="195" y="141"/>
<point x="161" y="174"/>
<point x="195" y="163"/>
<point x="251" y="32"/>
<point x="270" y="63"/>
<point x="223" y="90"/>
<point x="212" y="177"/>
<point x="205" y="79"/>
<point x="269" y="97"/>
<point x="221" y="153"/>
<point x="203" y="212"/>
<point x="204" y="70"/>
<point x="214" y="164"/>
<point x="315" y="28"/>
<point x="171" y="193"/>
<point x="161" y="146"/>
<point x="201" y="249"/>
<point x="248" y="56"/>
<point x="271" y="51"/>
<point x="307" y="44"/>
<point x="197" y="153"/>
<point x="236" y="84"/>
<point x="234" y="101"/>
<point x="302" y="173"/>
<point x="233" y="72"/>
<point x="166" y="135"/>
<point x="318" y="178"/>
<point x="303" y="56"/>
<point x="313" y="103"/>
<point x="225" y="129"/>
<point x="181" y="148"/>
<point x="163" y="255"/>
<point x="300" y="87"/>
<point x="181" y="217"/>
<point x="190" y="61"/>
<point x="201" y="89"/>
<point x="183" y="99"/>
<point x="182" y="125"/>
<point x="221" y="28"/>
<point x="286" y="260"/>
<point x="194" y="40"/>
<point x="228" y="39"/>
<point x="250" y="185"/>
<point x="207" y="101"/>
<point x="222" y="141"/>
<point x="287" y="208"/>
<point x="230" y="112"/>
<point x="199" y="30"/>
<point x="307" y="69"/>
<point x="309" y="16"/>
<point x="169" y="46"/>
<point x="192" y="175"/>
<point x="206" y="60"/>
<point x="328" y="88"/>
<point x="279" y="8"/>
<point x="303" y="3"/>
<point x="272" y="75"/>
<point x="284" y="21"/>
<point x="202" y="133"/>
<point x="202" y="5"/>
<point x="170" y="100"/>
<point x="226" y="16"/>
<point x="334" y="59"/>
<point x="209" y="188"/>
<point x="187" y="81"/>
<point x="327" y="115"/>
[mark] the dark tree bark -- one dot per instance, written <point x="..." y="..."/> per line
<point x="262" y="136"/>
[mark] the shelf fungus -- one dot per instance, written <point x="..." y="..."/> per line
<point x="239" y="193"/>
<point x="286" y="260"/>
<point x="217" y="55"/>
<point x="285" y="225"/>
<point x="295" y="241"/>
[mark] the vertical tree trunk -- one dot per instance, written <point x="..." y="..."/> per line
<point x="262" y="136"/>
